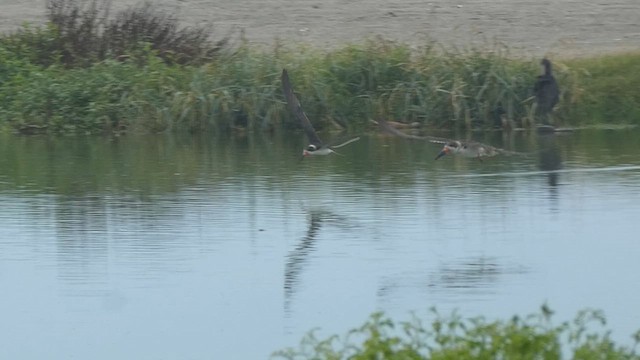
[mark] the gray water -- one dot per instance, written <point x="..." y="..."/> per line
<point x="170" y="247"/>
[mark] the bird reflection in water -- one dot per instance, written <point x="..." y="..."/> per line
<point x="299" y="256"/>
<point x="474" y="276"/>
<point x="550" y="161"/>
<point x="473" y="273"/>
<point x="549" y="158"/>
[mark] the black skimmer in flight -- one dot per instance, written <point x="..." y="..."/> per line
<point x="316" y="146"/>
<point x="470" y="149"/>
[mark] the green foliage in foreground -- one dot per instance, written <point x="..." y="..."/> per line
<point x="455" y="338"/>
<point x="344" y="87"/>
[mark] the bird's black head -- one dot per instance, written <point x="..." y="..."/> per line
<point x="309" y="150"/>
<point x="449" y="147"/>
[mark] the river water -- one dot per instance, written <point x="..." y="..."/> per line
<point x="202" y="247"/>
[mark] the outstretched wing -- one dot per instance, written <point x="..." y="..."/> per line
<point x="345" y="143"/>
<point x="386" y="127"/>
<point x="440" y="141"/>
<point x="509" y="152"/>
<point x="493" y="151"/>
<point x="296" y="109"/>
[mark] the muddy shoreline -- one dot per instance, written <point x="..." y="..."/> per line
<point x="556" y="28"/>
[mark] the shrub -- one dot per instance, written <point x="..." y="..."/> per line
<point x="81" y="33"/>
<point x="455" y="338"/>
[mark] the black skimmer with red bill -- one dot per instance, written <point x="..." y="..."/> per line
<point x="470" y="149"/>
<point x="316" y="146"/>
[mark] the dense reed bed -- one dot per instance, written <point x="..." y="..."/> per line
<point x="86" y="72"/>
<point x="456" y="338"/>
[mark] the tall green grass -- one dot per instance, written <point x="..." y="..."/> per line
<point x="456" y="338"/>
<point x="605" y="89"/>
<point x="42" y="89"/>
<point x="344" y="88"/>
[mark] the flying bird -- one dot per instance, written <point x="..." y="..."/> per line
<point x="470" y="149"/>
<point x="546" y="91"/>
<point x="316" y="146"/>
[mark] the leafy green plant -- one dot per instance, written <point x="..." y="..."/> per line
<point x="453" y="337"/>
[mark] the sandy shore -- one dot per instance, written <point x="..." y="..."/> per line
<point x="529" y="28"/>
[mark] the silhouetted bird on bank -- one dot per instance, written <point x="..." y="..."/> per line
<point x="546" y="92"/>
<point x="316" y="146"/>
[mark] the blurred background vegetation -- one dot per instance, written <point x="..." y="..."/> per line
<point x="90" y="71"/>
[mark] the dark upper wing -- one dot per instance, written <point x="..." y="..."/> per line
<point x="385" y="126"/>
<point x="296" y="109"/>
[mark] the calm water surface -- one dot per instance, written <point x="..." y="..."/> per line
<point x="168" y="247"/>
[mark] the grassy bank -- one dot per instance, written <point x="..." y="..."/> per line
<point x="606" y="92"/>
<point x="88" y="73"/>
<point x="456" y="338"/>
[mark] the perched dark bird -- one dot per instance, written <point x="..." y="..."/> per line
<point x="470" y="149"/>
<point x="316" y="146"/>
<point x="546" y="92"/>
